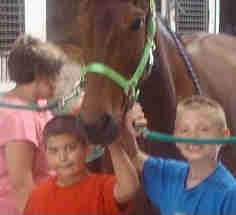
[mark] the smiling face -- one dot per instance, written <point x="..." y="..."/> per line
<point x="199" y="123"/>
<point x="66" y="156"/>
<point x="200" y="117"/>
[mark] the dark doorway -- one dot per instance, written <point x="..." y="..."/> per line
<point x="228" y="16"/>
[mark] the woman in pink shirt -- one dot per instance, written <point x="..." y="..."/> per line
<point x="34" y="66"/>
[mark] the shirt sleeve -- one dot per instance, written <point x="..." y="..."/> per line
<point x="153" y="177"/>
<point x="17" y="126"/>
<point x="111" y="207"/>
<point x="32" y="206"/>
<point x="229" y="204"/>
<point x="29" y="206"/>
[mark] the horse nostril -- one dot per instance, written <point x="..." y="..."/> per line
<point x="104" y="131"/>
<point x="105" y="121"/>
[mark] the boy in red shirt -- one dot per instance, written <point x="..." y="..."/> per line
<point x="74" y="190"/>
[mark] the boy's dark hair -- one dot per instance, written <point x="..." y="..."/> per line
<point x="66" y="124"/>
<point x="30" y="55"/>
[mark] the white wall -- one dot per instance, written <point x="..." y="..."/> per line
<point x="35" y="18"/>
<point x="214" y="16"/>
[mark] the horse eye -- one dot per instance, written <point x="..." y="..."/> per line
<point x="136" y="24"/>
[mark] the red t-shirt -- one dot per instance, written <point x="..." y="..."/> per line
<point x="92" y="195"/>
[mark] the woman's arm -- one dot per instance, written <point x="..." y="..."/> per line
<point x="19" y="159"/>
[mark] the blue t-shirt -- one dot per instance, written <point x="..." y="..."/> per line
<point x="164" y="184"/>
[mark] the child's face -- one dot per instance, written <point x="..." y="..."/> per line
<point x="66" y="156"/>
<point x="198" y="124"/>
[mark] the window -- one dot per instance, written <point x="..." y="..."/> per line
<point x="11" y="23"/>
<point x="192" y="16"/>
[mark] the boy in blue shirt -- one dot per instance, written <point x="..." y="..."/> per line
<point x="200" y="186"/>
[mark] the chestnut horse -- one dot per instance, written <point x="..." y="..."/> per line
<point x="113" y="32"/>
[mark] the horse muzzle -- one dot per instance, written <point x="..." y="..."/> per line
<point x="104" y="131"/>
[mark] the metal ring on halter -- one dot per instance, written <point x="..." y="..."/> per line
<point x="132" y="95"/>
<point x="83" y="83"/>
<point x="75" y="92"/>
<point x="150" y="62"/>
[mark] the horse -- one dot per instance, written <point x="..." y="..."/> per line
<point x="113" y="32"/>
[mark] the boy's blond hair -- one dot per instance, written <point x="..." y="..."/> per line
<point x="197" y="102"/>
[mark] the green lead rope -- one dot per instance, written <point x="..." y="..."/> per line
<point x="162" y="137"/>
<point x="32" y="107"/>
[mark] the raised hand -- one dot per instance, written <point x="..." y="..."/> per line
<point x="135" y="120"/>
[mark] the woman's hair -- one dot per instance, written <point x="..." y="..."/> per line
<point x="197" y="102"/>
<point x="66" y="124"/>
<point x="30" y="55"/>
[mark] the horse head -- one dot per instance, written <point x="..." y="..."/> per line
<point x="112" y="33"/>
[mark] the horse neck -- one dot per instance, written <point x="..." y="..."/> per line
<point x="172" y="62"/>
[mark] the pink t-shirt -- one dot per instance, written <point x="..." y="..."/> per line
<point x="20" y="125"/>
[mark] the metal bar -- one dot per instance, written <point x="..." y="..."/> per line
<point x="4" y="77"/>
